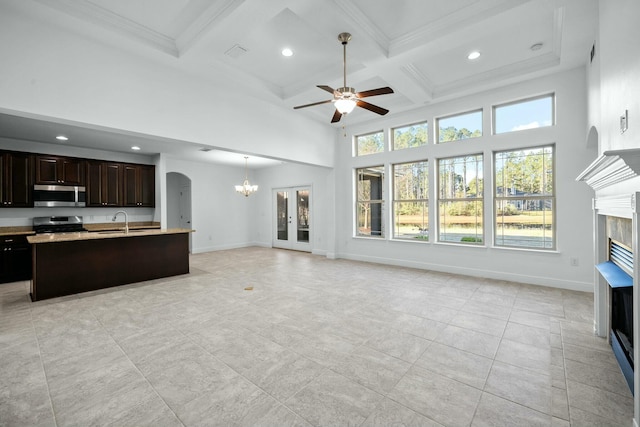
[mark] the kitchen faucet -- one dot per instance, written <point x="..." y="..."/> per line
<point x="126" y="220"/>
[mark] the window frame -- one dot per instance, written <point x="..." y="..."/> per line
<point x="437" y="125"/>
<point x="494" y="107"/>
<point x="392" y="136"/>
<point x="440" y="200"/>
<point x="425" y="201"/>
<point x="552" y="196"/>
<point x="356" y="145"/>
<point x="379" y="202"/>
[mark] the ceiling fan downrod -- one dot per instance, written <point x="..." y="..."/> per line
<point x="344" y="38"/>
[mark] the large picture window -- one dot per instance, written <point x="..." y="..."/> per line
<point x="370" y="143"/>
<point x="460" y="202"/>
<point x="525" y="198"/>
<point x="411" y="201"/>
<point x="415" y="135"/>
<point x="369" y="205"/>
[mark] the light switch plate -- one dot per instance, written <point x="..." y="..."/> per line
<point x="624" y="121"/>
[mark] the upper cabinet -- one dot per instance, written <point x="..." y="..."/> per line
<point x="104" y="183"/>
<point x="16" y="180"/>
<point x="139" y="185"/>
<point x="57" y="170"/>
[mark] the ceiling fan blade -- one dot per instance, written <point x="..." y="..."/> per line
<point x="336" y="117"/>
<point x="329" y="89"/>
<point x="374" y="92"/>
<point x="371" y="107"/>
<point x="315" y="103"/>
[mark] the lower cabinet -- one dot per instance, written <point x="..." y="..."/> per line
<point x="15" y="258"/>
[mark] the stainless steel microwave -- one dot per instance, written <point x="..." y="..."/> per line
<point x="53" y="196"/>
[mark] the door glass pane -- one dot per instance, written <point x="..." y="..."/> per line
<point x="282" y="215"/>
<point x="303" y="215"/>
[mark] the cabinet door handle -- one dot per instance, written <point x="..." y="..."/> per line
<point x="8" y="240"/>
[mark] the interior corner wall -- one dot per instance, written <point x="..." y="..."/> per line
<point x="222" y="219"/>
<point x="321" y="181"/>
<point x="574" y="215"/>
<point x="619" y="65"/>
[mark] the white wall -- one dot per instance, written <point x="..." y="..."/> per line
<point x="321" y="181"/>
<point x="619" y="62"/>
<point x="574" y="214"/>
<point x="221" y="218"/>
<point x="50" y="71"/>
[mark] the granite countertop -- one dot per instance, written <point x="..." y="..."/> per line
<point x="112" y="234"/>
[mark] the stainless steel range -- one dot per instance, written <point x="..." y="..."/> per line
<point x="58" y="224"/>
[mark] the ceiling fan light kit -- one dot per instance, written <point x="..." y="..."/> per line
<point x="345" y="98"/>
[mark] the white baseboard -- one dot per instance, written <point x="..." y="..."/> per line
<point x="476" y="272"/>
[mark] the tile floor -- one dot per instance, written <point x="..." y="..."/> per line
<point x="317" y="342"/>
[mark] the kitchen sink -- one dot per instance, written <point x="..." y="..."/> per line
<point x="119" y="231"/>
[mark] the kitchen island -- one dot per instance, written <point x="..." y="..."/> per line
<point x="70" y="263"/>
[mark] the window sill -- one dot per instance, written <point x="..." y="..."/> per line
<point x="540" y="251"/>
<point x="460" y="245"/>
<point x="422" y="242"/>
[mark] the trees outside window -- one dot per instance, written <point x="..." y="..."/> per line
<point x="411" y="201"/>
<point x="370" y="143"/>
<point x="460" y="200"/>
<point x="415" y="135"/>
<point x="369" y="204"/>
<point x="461" y="126"/>
<point x="525" y="198"/>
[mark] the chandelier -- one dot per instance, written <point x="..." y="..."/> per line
<point x="246" y="188"/>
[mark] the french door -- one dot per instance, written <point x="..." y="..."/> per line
<point x="292" y="222"/>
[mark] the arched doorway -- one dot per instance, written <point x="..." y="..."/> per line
<point x="179" y="202"/>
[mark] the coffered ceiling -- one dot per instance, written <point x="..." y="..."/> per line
<point x="417" y="47"/>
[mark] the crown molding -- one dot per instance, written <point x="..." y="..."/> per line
<point x="362" y="22"/>
<point x="611" y="168"/>
<point x="92" y="13"/>
<point x="450" y="23"/>
<point x="419" y="78"/>
<point x="214" y="14"/>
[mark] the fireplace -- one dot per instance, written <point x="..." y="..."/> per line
<point x="617" y="271"/>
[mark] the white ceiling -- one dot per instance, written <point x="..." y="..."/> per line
<point x="417" y="47"/>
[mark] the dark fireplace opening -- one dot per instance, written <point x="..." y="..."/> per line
<point x="622" y="320"/>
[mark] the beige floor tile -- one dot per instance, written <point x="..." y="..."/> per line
<point x="525" y="355"/>
<point x="332" y="400"/>
<point x="439" y="398"/>
<point x="528" y="388"/>
<point x="459" y="365"/>
<point x="471" y="341"/>
<point x="198" y="349"/>
<point x="604" y="404"/>
<point x="479" y="323"/>
<point x="389" y="413"/>
<point x="494" y="411"/>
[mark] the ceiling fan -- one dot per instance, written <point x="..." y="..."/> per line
<point x="346" y="98"/>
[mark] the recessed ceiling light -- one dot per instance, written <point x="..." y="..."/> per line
<point x="287" y="52"/>
<point x="135" y="147"/>
<point x="473" y="55"/>
<point x="62" y="138"/>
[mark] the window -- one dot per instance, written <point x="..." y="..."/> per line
<point x="410" y="136"/>
<point x="461" y="126"/>
<point x="460" y="203"/>
<point x="411" y="201"/>
<point x="370" y="201"/>
<point x="525" y="198"/>
<point x="369" y="144"/>
<point x="528" y="114"/>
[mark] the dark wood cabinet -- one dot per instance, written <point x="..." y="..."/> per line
<point x="104" y="183"/>
<point x="139" y="185"/>
<point x="15" y="258"/>
<point x="60" y="170"/>
<point x="16" y="180"/>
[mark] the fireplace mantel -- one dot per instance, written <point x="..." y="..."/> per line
<point x="611" y="168"/>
